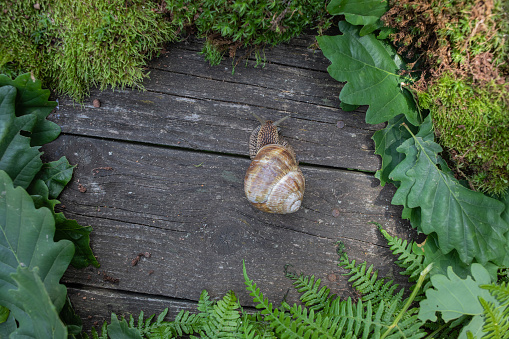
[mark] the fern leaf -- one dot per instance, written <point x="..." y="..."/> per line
<point x="260" y="327"/>
<point x="224" y="321"/>
<point x="314" y="297"/>
<point x="356" y="320"/>
<point x="205" y="305"/>
<point x="496" y="324"/>
<point x="367" y="283"/>
<point x="280" y="321"/>
<point x="314" y="322"/>
<point x="411" y="262"/>
<point x="499" y="291"/>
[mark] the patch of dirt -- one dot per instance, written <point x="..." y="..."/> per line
<point x="425" y="36"/>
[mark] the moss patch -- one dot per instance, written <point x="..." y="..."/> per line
<point x="460" y="49"/>
<point x="472" y="123"/>
<point x="229" y="25"/>
<point x="89" y="43"/>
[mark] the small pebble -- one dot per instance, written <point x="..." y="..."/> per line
<point x="335" y="213"/>
<point x="97" y="103"/>
<point x="340" y="124"/>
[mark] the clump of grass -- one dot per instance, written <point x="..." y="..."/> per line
<point x="89" y="43"/>
<point x="229" y="25"/>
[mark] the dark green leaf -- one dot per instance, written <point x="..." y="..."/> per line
<point x="364" y="12"/>
<point x="371" y="69"/>
<point x="32" y="297"/>
<point x="31" y="99"/>
<point x="347" y="107"/>
<point x="67" y="229"/>
<point x="387" y="141"/>
<point x="17" y="158"/>
<point x="56" y="175"/>
<point x="70" y="318"/>
<point x="30" y="259"/>
<point x="464" y="220"/>
<point x="442" y="261"/>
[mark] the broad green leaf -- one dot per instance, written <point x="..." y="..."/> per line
<point x="474" y="328"/>
<point x="442" y="261"/>
<point x="454" y="297"/>
<point x="26" y="241"/>
<point x="32" y="297"/>
<point x="17" y="157"/>
<point x="120" y="329"/>
<point x="8" y="327"/>
<point x="371" y="69"/>
<point x="505" y="201"/>
<point x="360" y="12"/>
<point x="387" y="141"/>
<point x="67" y="229"/>
<point x="56" y="175"/>
<point x="71" y="319"/>
<point x="467" y="221"/>
<point x="23" y="164"/>
<point x="347" y="107"/>
<point x="31" y="99"/>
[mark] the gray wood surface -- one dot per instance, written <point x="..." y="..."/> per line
<point x="163" y="171"/>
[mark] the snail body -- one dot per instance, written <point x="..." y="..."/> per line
<point x="274" y="182"/>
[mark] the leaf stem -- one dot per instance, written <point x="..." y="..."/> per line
<point x="409" y="301"/>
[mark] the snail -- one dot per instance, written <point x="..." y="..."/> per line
<point x="274" y="182"/>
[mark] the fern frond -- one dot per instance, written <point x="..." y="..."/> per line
<point x="367" y="283"/>
<point x="314" y="323"/>
<point x="205" y="305"/>
<point x="260" y="327"/>
<point x="224" y="320"/>
<point x="104" y="332"/>
<point x="407" y="259"/>
<point x="499" y="291"/>
<point x="314" y="297"/>
<point x="281" y="322"/>
<point x="496" y="323"/>
<point x="356" y="320"/>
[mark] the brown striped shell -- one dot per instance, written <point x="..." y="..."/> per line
<point x="273" y="183"/>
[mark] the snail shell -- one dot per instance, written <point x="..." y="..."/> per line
<point x="273" y="183"/>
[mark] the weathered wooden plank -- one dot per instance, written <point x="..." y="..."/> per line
<point x="291" y="85"/>
<point x="95" y="305"/>
<point x="188" y="210"/>
<point x="217" y="126"/>
<point x="300" y="52"/>
<point x="190" y="104"/>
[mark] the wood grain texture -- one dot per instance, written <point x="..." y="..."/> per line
<point x="192" y="105"/>
<point x="189" y="211"/>
<point x="160" y="172"/>
<point x="95" y="305"/>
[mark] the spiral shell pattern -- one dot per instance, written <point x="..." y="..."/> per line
<point x="274" y="183"/>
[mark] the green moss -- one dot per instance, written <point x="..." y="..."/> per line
<point x="472" y="123"/>
<point x="228" y="25"/>
<point x="472" y="32"/>
<point x="91" y="43"/>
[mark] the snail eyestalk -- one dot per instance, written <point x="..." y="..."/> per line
<point x="280" y="120"/>
<point x="261" y="120"/>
